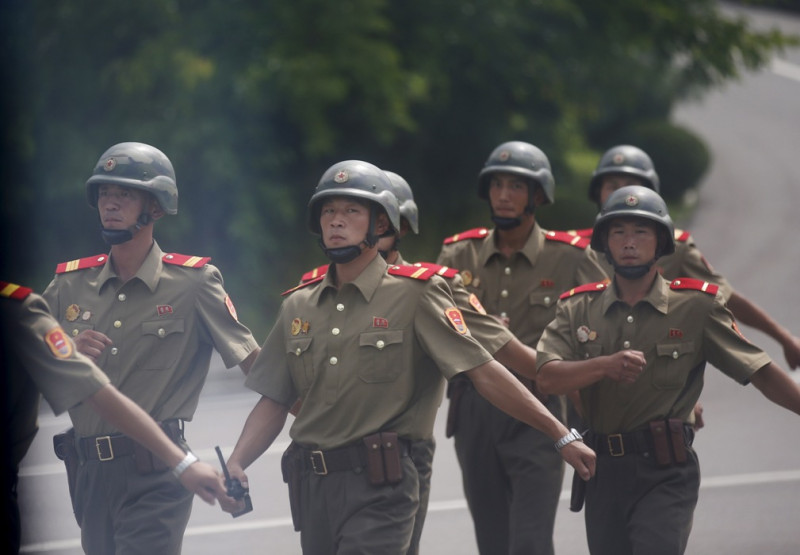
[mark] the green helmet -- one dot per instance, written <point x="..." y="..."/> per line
<point x="139" y="166"/>
<point x="354" y="178"/>
<point x="625" y="160"/>
<point x="519" y="158"/>
<point x="405" y="197"/>
<point x="635" y="201"/>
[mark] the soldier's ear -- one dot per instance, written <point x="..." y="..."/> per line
<point x="381" y="223"/>
<point x="156" y="212"/>
<point x="539" y="197"/>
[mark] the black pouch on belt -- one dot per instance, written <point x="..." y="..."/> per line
<point x="375" y="471"/>
<point x="291" y="470"/>
<point x="391" y="457"/>
<point x="678" y="441"/>
<point x="661" y="449"/>
<point x="64" y="447"/>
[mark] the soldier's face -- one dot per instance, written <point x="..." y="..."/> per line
<point x="344" y="221"/>
<point x="508" y="194"/>
<point x="632" y="241"/>
<point x="612" y="182"/>
<point x="119" y="207"/>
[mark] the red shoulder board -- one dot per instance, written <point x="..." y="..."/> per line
<point x="582" y="232"/>
<point x="416" y="272"/>
<point x="586" y="288"/>
<point x="568" y="238"/>
<point x="695" y="284"/>
<point x="82" y="263"/>
<point x="477" y="233"/>
<point x="14" y="291"/>
<point x="681" y="235"/>
<point x="186" y="260"/>
<point x="303" y="284"/>
<point x="314" y="274"/>
<point x="443" y="271"/>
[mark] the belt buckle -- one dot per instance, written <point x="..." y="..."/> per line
<point x="620" y="450"/>
<point x="318" y="463"/>
<point x="98" y="443"/>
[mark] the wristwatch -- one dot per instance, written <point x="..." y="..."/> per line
<point x="573" y="435"/>
<point x="187" y="461"/>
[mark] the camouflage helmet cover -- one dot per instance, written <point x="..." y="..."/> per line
<point x="634" y="201"/>
<point x="518" y="158"/>
<point x="139" y="166"/>
<point x="624" y="160"/>
<point x="353" y="178"/>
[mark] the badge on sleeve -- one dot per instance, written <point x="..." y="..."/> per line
<point x="231" y="308"/>
<point x="476" y="303"/>
<point x="60" y="346"/>
<point x="456" y="320"/>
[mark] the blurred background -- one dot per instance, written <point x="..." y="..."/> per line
<point x="253" y="100"/>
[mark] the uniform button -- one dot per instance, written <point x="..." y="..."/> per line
<point x="380" y="344"/>
<point x="674" y="354"/>
<point x="114" y="350"/>
<point x="335" y="331"/>
<point x="503" y="315"/>
<point x="334" y="360"/>
<point x="547" y="300"/>
<point x="162" y="332"/>
<point x="507" y="271"/>
<point x="586" y="355"/>
<point x="122" y="296"/>
<point x="626" y="344"/>
<point x="117" y="324"/>
<point x="298" y="351"/>
<point x="340" y="307"/>
<point x="504" y="293"/>
<point x="74" y="333"/>
<point x="629" y="319"/>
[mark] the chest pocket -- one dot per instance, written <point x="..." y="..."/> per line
<point x="161" y="340"/>
<point x="542" y="308"/>
<point x="380" y="356"/>
<point x="673" y="363"/>
<point x="301" y="364"/>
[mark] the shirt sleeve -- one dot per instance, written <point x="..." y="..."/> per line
<point x="694" y="265"/>
<point x="270" y="375"/>
<point x="556" y="342"/>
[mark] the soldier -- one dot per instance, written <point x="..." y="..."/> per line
<point x="637" y="351"/>
<point x="365" y="347"/>
<point x="512" y="480"/>
<point x="625" y="165"/>
<point x="37" y="357"/>
<point x="150" y="321"/>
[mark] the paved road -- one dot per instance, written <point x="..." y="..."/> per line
<point x="747" y="225"/>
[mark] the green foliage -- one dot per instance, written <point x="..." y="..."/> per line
<point x="253" y="100"/>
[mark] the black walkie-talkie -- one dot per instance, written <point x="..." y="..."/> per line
<point x="235" y="487"/>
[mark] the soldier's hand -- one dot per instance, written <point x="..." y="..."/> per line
<point x="626" y="366"/>
<point x="92" y="343"/>
<point x="580" y="457"/>
<point x="204" y="480"/>
<point x="791" y="350"/>
<point x="229" y="504"/>
<point x="698" y="416"/>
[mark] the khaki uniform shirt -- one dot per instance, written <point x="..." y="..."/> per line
<point x="678" y="330"/>
<point x="37" y="356"/>
<point x="358" y="356"/>
<point x="164" y="323"/>
<point x="526" y="287"/>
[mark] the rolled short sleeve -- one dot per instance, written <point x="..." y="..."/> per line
<point x="270" y="375"/>
<point x="557" y="341"/>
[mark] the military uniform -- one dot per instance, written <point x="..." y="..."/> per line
<point x="164" y="324"/>
<point x="638" y="502"/>
<point x="686" y="261"/>
<point x="37" y="357"/>
<point x="366" y="358"/>
<point x="512" y="475"/>
<point x="484" y="328"/>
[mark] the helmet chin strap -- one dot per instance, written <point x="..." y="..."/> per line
<point x="510" y="223"/>
<point x="343" y="255"/>
<point x="119" y="236"/>
<point x="631" y="272"/>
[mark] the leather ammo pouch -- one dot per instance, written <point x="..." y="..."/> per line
<point x="669" y="444"/>
<point x="391" y="457"/>
<point x="64" y="447"/>
<point x="374" y="450"/>
<point x="291" y="471"/>
<point x="678" y="442"/>
<point x="146" y="461"/>
<point x="383" y="452"/>
<point x="455" y="389"/>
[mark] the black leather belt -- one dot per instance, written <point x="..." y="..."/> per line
<point x="349" y="457"/>
<point x="110" y="447"/>
<point x="629" y="443"/>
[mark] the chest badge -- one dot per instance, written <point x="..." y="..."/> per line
<point x="466" y="277"/>
<point x="72" y="312"/>
<point x="584" y="334"/>
<point x="378" y="322"/>
<point x="163" y="310"/>
<point x="675" y="333"/>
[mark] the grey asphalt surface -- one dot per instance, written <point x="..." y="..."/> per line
<point x="746" y="223"/>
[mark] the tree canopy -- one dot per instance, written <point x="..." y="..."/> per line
<point x="253" y="100"/>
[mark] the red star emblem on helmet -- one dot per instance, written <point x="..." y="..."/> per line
<point x="341" y="177"/>
<point x="632" y="200"/>
<point x="110" y="164"/>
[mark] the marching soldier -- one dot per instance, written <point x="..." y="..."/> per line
<point x="37" y="357"/>
<point x="365" y="347"/>
<point x="636" y="350"/>
<point x="512" y="480"/>
<point x="150" y="320"/>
